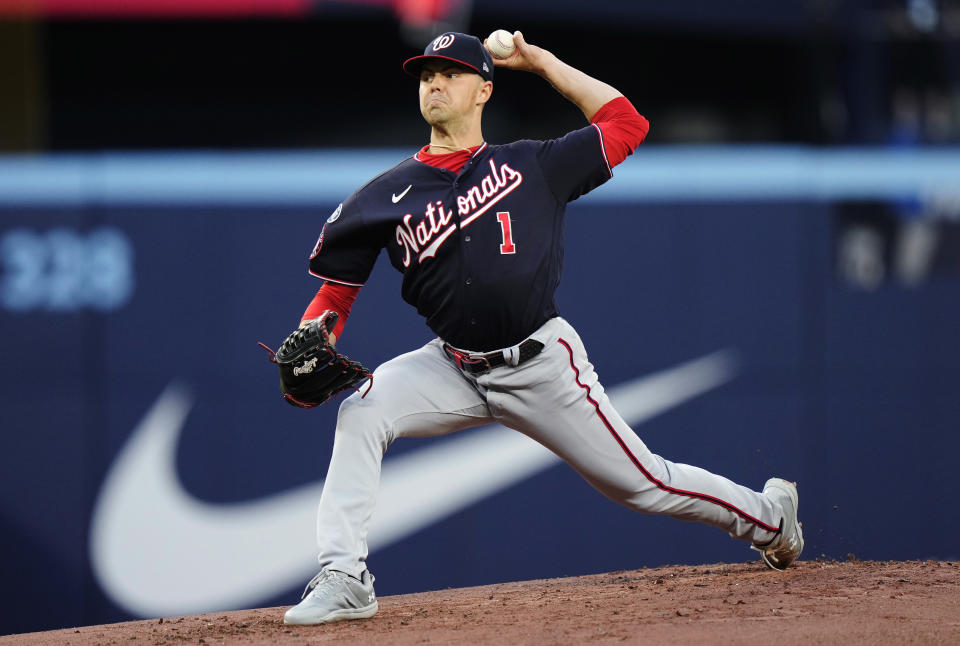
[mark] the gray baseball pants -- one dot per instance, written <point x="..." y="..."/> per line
<point x="555" y="399"/>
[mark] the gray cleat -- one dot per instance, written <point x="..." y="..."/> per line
<point x="785" y="548"/>
<point x="334" y="596"/>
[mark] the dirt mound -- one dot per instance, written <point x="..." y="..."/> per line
<point x="816" y="602"/>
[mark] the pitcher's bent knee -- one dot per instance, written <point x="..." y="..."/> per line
<point x="360" y="418"/>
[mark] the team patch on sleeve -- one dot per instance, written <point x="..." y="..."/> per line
<point x="336" y="214"/>
<point x="316" y="247"/>
<point x="333" y="218"/>
<point x="347" y="248"/>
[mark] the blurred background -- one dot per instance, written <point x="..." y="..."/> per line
<point x="85" y="75"/>
<point x="775" y="275"/>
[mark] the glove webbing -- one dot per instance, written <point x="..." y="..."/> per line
<point x="296" y="402"/>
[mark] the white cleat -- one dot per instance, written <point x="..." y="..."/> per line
<point x="786" y="547"/>
<point x="334" y="596"/>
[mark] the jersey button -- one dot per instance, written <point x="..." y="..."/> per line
<point x="473" y="321"/>
<point x="469" y="280"/>
<point x="466" y="238"/>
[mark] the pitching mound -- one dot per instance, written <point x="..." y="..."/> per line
<point x="816" y="602"/>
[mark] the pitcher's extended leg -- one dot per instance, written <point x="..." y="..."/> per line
<point x="564" y="407"/>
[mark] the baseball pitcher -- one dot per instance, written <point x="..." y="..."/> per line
<point x="476" y="229"/>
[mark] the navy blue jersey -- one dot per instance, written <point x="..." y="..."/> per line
<point x="480" y="250"/>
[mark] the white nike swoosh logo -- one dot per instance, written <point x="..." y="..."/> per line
<point x="158" y="551"/>
<point x="396" y="198"/>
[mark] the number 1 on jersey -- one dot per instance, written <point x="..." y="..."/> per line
<point x="507" y="246"/>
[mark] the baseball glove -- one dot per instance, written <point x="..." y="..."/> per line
<point x="311" y="370"/>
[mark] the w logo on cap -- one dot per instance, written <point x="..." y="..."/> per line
<point x="443" y="42"/>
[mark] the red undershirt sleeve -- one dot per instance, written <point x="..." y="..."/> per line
<point x="623" y="128"/>
<point x="332" y="296"/>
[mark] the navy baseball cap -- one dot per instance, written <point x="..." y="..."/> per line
<point x="453" y="46"/>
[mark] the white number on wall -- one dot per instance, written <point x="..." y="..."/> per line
<point x="63" y="270"/>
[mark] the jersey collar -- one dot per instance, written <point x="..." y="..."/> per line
<point x="451" y="161"/>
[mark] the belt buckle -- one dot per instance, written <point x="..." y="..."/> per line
<point x="480" y="358"/>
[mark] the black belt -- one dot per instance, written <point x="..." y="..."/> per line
<point x="480" y="363"/>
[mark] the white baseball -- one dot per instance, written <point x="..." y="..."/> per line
<point x="500" y="43"/>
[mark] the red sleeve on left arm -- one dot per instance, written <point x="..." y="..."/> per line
<point x="336" y="297"/>
<point x="622" y="127"/>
